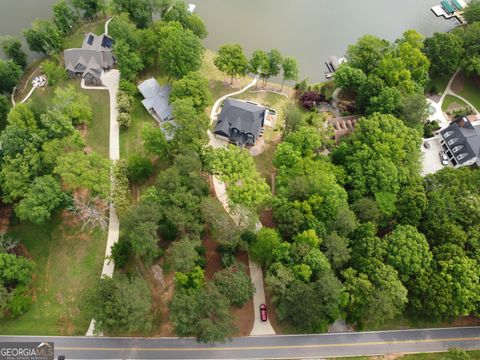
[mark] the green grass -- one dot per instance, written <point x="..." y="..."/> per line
<point x="450" y="99"/>
<point x="67" y="262"/>
<point x="76" y="39"/>
<point x="474" y="355"/>
<point x="439" y="83"/>
<point x="471" y="92"/>
<point x="98" y="130"/>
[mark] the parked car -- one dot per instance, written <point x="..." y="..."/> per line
<point x="443" y="158"/>
<point x="263" y="312"/>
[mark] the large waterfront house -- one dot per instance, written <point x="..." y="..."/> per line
<point x="461" y="142"/>
<point x="240" y="122"/>
<point x="91" y="60"/>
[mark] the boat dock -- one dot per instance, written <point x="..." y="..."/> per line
<point x="450" y="9"/>
<point x="333" y="64"/>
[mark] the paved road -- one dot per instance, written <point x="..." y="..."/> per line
<point x="265" y="347"/>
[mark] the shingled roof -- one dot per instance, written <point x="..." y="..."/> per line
<point x="240" y="121"/>
<point x="462" y="139"/>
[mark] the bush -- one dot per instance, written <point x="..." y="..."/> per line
<point x="310" y="99"/>
<point x="20" y="301"/>
<point x="128" y="87"/>
<point x="248" y="237"/>
<point x="301" y="86"/>
<point x="430" y="128"/>
<point x="139" y="168"/>
<point x="124" y="102"/>
<point x="124" y="119"/>
<point x="121" y="253"/>
<point x="54" y="72"/>
<point x="467" y="110"/>
<point x="121" y="192"/>
<point x="228" y="260"/>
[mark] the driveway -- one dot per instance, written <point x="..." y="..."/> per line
<point x="430" y="157"/>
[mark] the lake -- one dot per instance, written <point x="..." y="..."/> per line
<point x="309" y="30"/>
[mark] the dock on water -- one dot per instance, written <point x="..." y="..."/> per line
<point x="450" y="9"/>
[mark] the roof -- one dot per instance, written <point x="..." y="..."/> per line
<point x="463" y="139"/>
<point x="95" y="54"/>
<point x="156" y="98"/>
<point x="241" y="121"/>
<point x="447" y="6"/>
<point x="97" y="42"/>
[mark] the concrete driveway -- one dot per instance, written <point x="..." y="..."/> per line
<point x="430" y="157"/>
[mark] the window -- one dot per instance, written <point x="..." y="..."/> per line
<point x="452" y="141"/>
<point x="447" y="134"/>
<point x="457" y="148"/>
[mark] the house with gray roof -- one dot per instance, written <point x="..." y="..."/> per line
<point x="89" y="61"/>
<point x="157" y="99"/>
<point x="240" y="122"/>
<point x="461" y="142"/>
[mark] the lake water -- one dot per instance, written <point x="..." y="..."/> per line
<point x="309" y="30"/>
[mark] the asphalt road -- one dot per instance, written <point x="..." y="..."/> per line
<point x="264" y="347"/>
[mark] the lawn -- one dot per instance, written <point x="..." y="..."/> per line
<point x="450" y="99"/>
<point x="76" y="39"/>
<point x="471" y="92"/>
<point x="67" y="262"/>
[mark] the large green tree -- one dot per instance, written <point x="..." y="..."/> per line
<point x="9" y="76"/>
<point x="289" y="70"/>
<point x="231" y="60"/>
<point x="180" y="50"/>
<point x="445" y="52"/>
<point x="44" y="37"/>
<point x="235" y="284"/>
<point x="202" y="313"/>
<point x="65" y="17"/>
<point x="12" y="47"/>
<point x="119" y="305"/>
<point x="367" y="53"/>
<point x="195" y="87"/>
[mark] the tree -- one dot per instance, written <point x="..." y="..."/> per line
<point x="42" y="198"/>
<point x="375" y="298"/>
<point x="294" y="119"/>
<point x="15" y="270"/>
<point x="12" y="47"/>
<point x="74" y="104"/>
<point x="445" y="52"/>
<point x="154" y="140"/>
<point x="121" y="195"/>
<point x="367" y="53"/>
<point x="337" y="250"/>
<point x="178" y="11"/>
<point x="408" y="252"/>
<point x="311" y="307"/>
<point x="54" y="72"/>
<point x="411" y="204"/>
<point x="4" y="109"/>
<point x="366" y="210"/>
<point x="290" y="70"/>
<point x="379" y="156"/>
<point x="22" y="117"/>
<point x="265" y="243"/>
<point x="144" y="241"/>
<point x="139" y="11"/>
<point x="9" y="76"/>
<point x="472" y="12"/>
<point x="129" y="61"/>
<point x="88" y="171"/>
<point x="349" y="77"/>
<point x="90" y="8"/>
<point x="274" y="63"/>
<point x="235" y="284"/>
<point x="65" y="18"/>
<point x="139" y="167"/>
<point x="259" y="63"/>
<point x="44" y="37"/>
<point x="386" y="102"/>
<point x="195" y="87"/>
<point x="183" y="254"/>
<point x="413" y="110"/>
<point x="231" y="60"/>
<point x="203" y="313"/>
<point x="119" y="305"/>
<point x="180" y="50"/>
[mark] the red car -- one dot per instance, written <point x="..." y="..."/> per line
<point x="263" y="312"/>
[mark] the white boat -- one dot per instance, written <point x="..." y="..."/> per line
<point x="191" y="8"/>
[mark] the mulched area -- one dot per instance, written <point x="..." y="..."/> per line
<point x="266" y="218"/>
<point x="458" y="83"/>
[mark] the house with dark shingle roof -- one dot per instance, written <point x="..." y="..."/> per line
<point x="240" y="122"/>
<point x="89" y="61"/>
<point x="461" y="142"/>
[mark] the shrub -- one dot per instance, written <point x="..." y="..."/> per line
<point x="121" y="253"/>
<point x="20" y="301"/>
<point x="54" y="72"/>
<point x="121" y="192"/>
<point x="124" y="119"/>
<point x="124" y="102"/>
<point x="139" y="168"/>
<point x="128" y="87"/>
<point x="301" y="86"/>
<point x="310" y="99"/>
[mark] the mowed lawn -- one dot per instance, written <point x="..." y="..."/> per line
<point x="68" y="261"/>
<point x="450" y="99"/>
<point x="471" y="92"/>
